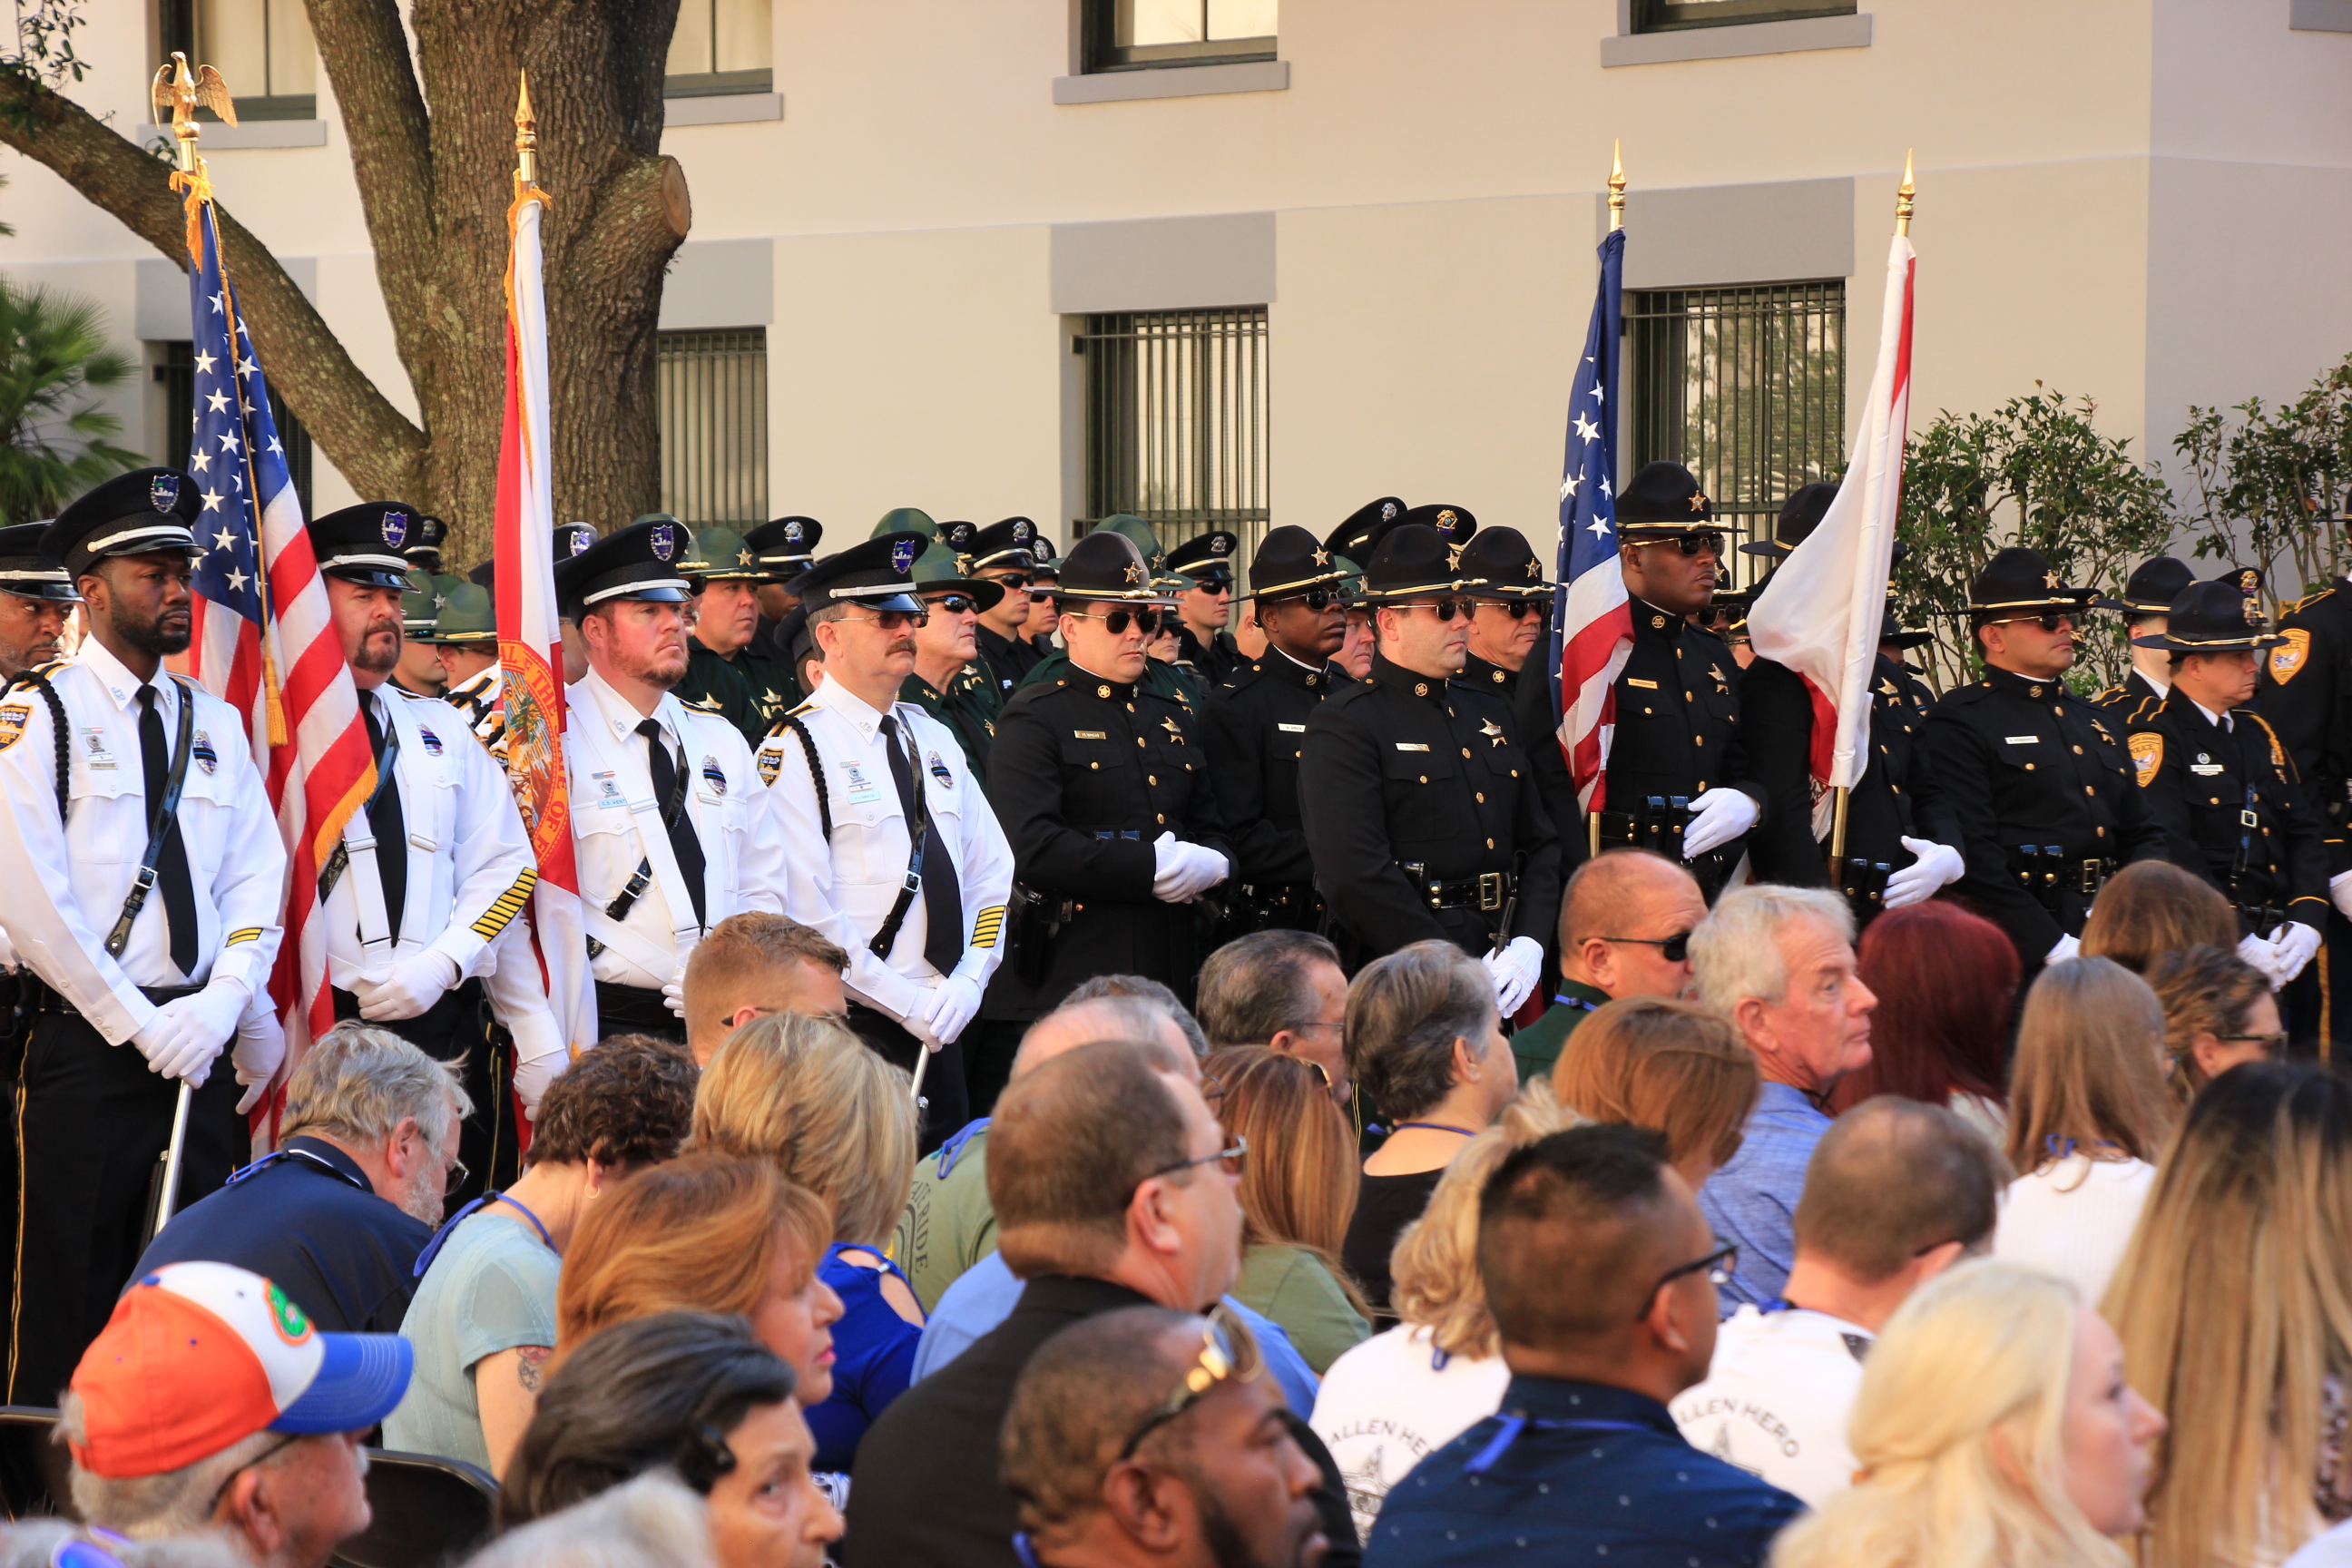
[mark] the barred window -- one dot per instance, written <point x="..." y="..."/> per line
<point x="1133" y="35"/>
<point x="1673" y="15"/>
<point x="1176" y="420"/>
<point x="712" y="392"/>
<point x="262" y="47"/>
<point x="177" y="375"/>
<point x="719" y="47"/>
<point x="1744" y="387"/>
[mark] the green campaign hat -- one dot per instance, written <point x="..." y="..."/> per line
<point x="468" y="619"/>
<point x="906" y="520"/>
<point x="939" y="568"/>
<point x="722" y="555"/>
<point x="418" y="605"/>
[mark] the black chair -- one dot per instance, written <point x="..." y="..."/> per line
<point x="33" y="1465"/>
<point x="428" y="1513"/>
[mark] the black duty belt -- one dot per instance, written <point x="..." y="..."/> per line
<point x="44" y="998"/>
<point x="1487" y="892"/>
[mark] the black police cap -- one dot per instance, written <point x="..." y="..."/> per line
<point x="1798" y="516"/>
<point x="1499" y="563"/>
<point x="2212" y="617"/>
<point x="362" y="544"/>
<point x="1042" y="562"/>
<point x="1892" y="632"/>
<point x="1454" y="524"/>
<point x="1663" y="499"/>
<point x="875" y="573"/>
<point x="1004" y="544"/>
<point x="137" y="513"/>
<point x="424" y="541"/>
<point x="938" y="569"/>
<point x="1105" y="564"/>
<point x="639" y="561"/>
<point x="786" y="545"/>
<point x="486" y="575"/>
<point x="2019" y="578"/>
<point x="2151" y="588"/>
<point x="27" y="572"/>
<point x="1413" y="558"/>
<point x="957" y="536"/>
<point x="1290" y="561"/>
<point x="1358" y="536"/>
<point x="1208" y="559"/>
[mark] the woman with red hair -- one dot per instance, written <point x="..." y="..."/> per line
<point x="1946" y="981"/>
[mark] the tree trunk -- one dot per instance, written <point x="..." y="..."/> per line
<point x="434" y="188"/>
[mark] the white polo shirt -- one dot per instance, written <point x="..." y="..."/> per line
<point x="1775" y="1399"/>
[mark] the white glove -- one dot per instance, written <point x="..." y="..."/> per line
<point x="197" y="1027"/>
<point x="2340" y="890"/>
<point x="2297" y="944"/>
<point x="1936" y="864"/>
<point x="1182" y="871"/>
<point x="2261" y="953"/>
<point x="1209" y="867"/>
<point x="540" y="1056"/>
<point x="950" y="1007"/>
<point x="2065" y="947"/>
<point x="1514" y="971"/>
<point x="1717" y="816"/>
<point x="406" y="987"/>
<point x="674" y="992"/>
<point x="259" y="1052"/>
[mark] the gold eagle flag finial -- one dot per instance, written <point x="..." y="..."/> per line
<point x="180" y="93"/>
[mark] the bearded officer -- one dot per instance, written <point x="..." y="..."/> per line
<point x="1255" y="725"/>
<point x="424" y="887"/>
<point x="915" y="874"/>
<point x="1205" y="612"/>
<point x="35" y="597"/>
<point x="1506" y="583"/>
<point x="1427" y="822"/>
<point x="2217" y="780"/>
<point x="668" y="820"/>
<point x="2037" y="778"/>
<point x="1103" y="791"/>
<point x="145" y="879"/>
<point x="2146" y="600"/>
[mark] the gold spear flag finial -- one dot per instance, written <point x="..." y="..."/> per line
<point x="1902" y="195"/>
<point x="526" y="139"/>
<point x="181" y="94"/>
<point x="1616" y="184"/>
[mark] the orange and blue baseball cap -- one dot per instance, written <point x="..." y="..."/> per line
<point x="201" y="1355"/>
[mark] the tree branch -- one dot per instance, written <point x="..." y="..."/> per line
<point x="375" y="446"/>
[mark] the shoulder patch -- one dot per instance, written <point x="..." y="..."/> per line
<point x="2147" y="755"/>
<point x="13" y="716"/>
<point x="2288" y="658"/>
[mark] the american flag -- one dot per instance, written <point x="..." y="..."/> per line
<point x="1592" y="627"/>
<point x="263" y="637"/>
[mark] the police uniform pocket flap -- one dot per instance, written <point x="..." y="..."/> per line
<point x="2023" y="751"/>
<point x="1419" y="766"/>
<point x="1095" y="750"/>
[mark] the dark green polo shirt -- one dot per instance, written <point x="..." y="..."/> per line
<point x="1538" y="1045"/>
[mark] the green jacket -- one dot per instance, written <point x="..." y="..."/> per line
<point x="1299" y="1290"/>
<point x="1538" y="1046"/>
<point x="713" y="683"/>
<point x="968" y="707"/>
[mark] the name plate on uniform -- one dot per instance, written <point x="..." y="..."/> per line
<point x="608" y="790"/>
<point x="1644" y="685"/>
<point x="2206" y="770"/>
<point x="2021" y="740"/>
<point x="1090" y="734"/>
<point x="862" y="792"/>
<point x="1413" y="746"/>
<point x="1292" y="729"/>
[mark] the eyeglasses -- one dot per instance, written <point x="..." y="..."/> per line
<point x="1675" y="949"/>
<point x="2271" y="1043"/>
<point x="1313" y="598"/>
<point x="1115" y="621"/>
<point x="894" y="620"/>
<point x="250" y="1464"/>
<point x="1707" y="543"/>
<point x="2056" y="620"/>
<point x="1228" y="1354"/>
<point x="1519" y="609"/>
<point x="1234" y="1157"/>
<point x="1219" y="589"/>
<point x="1720" y="1265"/>
<point x="951" y="603"/>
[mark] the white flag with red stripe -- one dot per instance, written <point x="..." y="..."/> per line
<point x="1821" y="613"/>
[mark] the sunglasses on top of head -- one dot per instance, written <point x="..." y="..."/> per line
<point x="1115" y="621"/>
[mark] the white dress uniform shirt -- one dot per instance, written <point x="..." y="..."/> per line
<point x="742" y="849"/>
<point x="1776" y="1400"/>
<point x="66" y="883"/>
<point x="847" y="892"/>
<point x="470" y="870"/>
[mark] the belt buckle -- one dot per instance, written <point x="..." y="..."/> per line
<point x="1490" y="891"/>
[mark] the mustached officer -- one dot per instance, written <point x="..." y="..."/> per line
<point x="2036" y="778"/>
<point x="1424" y="821"/>
<point x="1103" y="790"/>
<point x="1255" y="725"/>
<point x="2217" y="779"/>
<point x="2145" y="601"/>
<point x="144" y="876"/>
<point x="668" y="819"/>
<point x="421" y="893"/>
<point x="914" y="873"/>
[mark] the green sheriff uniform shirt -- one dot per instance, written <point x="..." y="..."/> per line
<point x="969" y="707"/>
<point x="1538" y="1046"/>
<point x="714" y="684"/>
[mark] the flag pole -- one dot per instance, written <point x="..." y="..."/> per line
<point x="1905" y="200"/>
<point x="1616" y="222"/>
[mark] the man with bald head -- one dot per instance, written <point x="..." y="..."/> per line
<point x="1601" y="1273"/>
<point x="1625" y="920"/>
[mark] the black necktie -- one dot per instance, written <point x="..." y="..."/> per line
<point x="942" y="896"/>
<point x="388" y="823"/>
<point x="172" y="863"/>
<point x="682" y="840"/>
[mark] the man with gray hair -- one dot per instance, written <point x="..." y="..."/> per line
<point x="1778" y="964"/>
<point x="337" y="1217"/>
<point x="1283" y="990"/>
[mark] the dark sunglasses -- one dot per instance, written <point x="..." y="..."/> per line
<point x="1010" y="580"/>
<point x="1708" y="543"/>
<point x="1675" y="949"/>
<point x="953" y="604"/>
<point x="1520" y="609"/>
<point x="1115" y="621"/>
<point x="1444" y="609"/>
<point x="2052" y="621"/>
<point x="1720" y="1265"/>
<point x="1219" y="589"/>
<point x="1313" y="598"/>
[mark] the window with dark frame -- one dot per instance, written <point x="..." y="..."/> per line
<point x="177" y="375"/>
<point x="263" y="50"/>
<point x="1176" y="421"/>
<point x="1139" y="34"/>
<point x="1745" y="388"/>
<point x="1676" y="15"/>
<point x="719" y="47"/>
<point x="711" y="400"/>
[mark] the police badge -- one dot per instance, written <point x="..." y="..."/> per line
<point x="395" y="529"/>
<point x="663" y="541"/>
<point x="164" y="491"/>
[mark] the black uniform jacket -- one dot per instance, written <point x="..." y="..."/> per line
<point x="1678" y="729"/>
<point x="2020" y="762"/>
<point x="1255" y="726"/>
<point x="2201" y="781"/>
<point x="2304" y="690"/>
<point x="1404" y="769"/>
<point x="2135" y="699"/>
<point x="1484" y="677"/>
<point x="1216" y="661"/>
<point x="1895" y="797"/>
<point x="1008" y="659"/>
<point x="1086" y="772"/>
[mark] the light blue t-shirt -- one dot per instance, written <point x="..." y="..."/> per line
<point x="986" y="1294"/>
<point x="490" y="1289"/>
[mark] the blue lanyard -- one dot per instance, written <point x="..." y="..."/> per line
<point x="2064" y="1148"/>
<point x="1436" y="1127"/>
<point x="1515" y="1424"/>
<point x="433" y="1248"/>
<point x="307" y="1158"/>
<point x="1580" y="1004"/>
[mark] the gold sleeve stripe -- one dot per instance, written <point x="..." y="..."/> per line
<point x="250" y="933"/>
<point x="985" y="929"/>
<point x="508" y="905"/>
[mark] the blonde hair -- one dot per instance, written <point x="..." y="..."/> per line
<point x="2089" y="1050"/>
<point x="1299" y="1183"/>
<point x="1670" y="1066"/>
<point x="2151" y="908"/>
<point x="1434" y="1270"/>
<point x="745" y="960"/>
<point x="2234" y="1302"/>
<point x="1972" y="1369"/>
<point x="835" y="1117"/>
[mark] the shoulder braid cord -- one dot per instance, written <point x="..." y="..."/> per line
<point x="64" y="737"/>
<point x="816" y="771"/>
